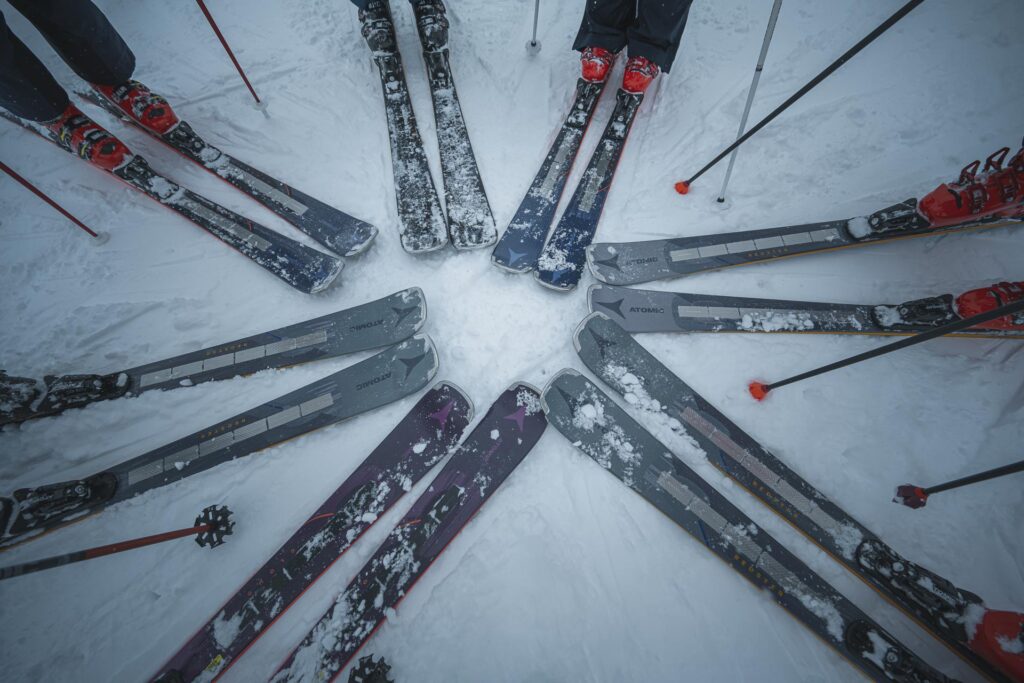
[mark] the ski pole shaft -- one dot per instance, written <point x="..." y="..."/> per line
<point x="210" y="528"/>
<point x="536" y="15"/>
<point x="227" y="48"/>
<point x="772" y="19"/>
<point x="683" y="186"/>
<point x="42" y="195"/>
<point x="759" y="390"/>
<point x="1012" y="468"/>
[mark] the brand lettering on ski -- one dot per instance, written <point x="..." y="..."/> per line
<point x="366" y="326"/>
<point x="641" y="261"/>
<point x="375" y="380"/>
<point x="646" y="309"/>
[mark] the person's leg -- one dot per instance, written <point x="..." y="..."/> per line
<point x="83" y="37"/>
<point x="26" y="87"/>
<point x="605" y="24"/>
<point x="657" y="31"/>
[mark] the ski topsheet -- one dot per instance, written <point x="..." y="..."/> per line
<point x="336" y="230"/>
<point x="470" y="223"/>
<point x="956" y="617"/>
<point x="421" y="222"/>
<point x="488" y="455"/>
<point x="602" y="430"/>
<point x="369" y="326"/>
<point x="644" y="310"/>
<point x="376" y="381"/>
<point x="423" y="438"/>
<point x="629" y="263"/>
<point x="521" y="244"/>
<point x="302" y="267"/>
<point x="561" y="262"/>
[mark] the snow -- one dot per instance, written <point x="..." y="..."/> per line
<point x="565" y="574"/>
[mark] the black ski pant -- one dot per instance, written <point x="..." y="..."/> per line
<point x="650" y="28"/>
<point x="80" y="34"/>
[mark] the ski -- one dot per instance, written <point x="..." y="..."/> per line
<point x="421" y="222"/>
<point x="334" y="229"/>
<point x="520" y="246"/>
<point x="470" y="223"/>
<point x="381" y="379"/>
<point x="644" y="310"/>
<point x="956" y="617"/>
<point x="306" y="269"/>
<point x="560" y="265"/>
<point x="603" y="431"/>
<point x="371" y="325"/>
<point x="488" y="455"/>
<point x="423" y="438"/>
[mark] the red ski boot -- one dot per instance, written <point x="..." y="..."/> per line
<point x="978" y="301"/>
<point x="999" y="638"/>
<point x="994" y="192"/>
<point x="149" y="110"/>
<point x="639" y="73"/>
<point x="596" y="62"/>
<point x="89" y="140"/>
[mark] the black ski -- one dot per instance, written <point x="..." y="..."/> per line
<point x="645" y="310"/>
<point x="629" y="263"/>
<point x="955" y="616"/>
<point x="306" y="269"/>
<point x="336" y="230"/>
<point x="369" y="326"/>
<point x="421" y="222"/>
<point x="376" y="381"/>
<point x="601" y="429"/>
<point x="560" y="265"/>
<point x="521" y="244"/>
<point x="470" y="222"/>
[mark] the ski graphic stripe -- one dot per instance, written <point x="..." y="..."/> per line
<point x="939" y="606"/>
<point x="602" y="430"/>
<point x="424" y="437"/>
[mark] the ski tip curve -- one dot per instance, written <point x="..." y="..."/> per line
<point x="564" y="372"/>
<point x="583" y="324"/>
<point x="361" y="247"/>
<point x="337" y="265"/>
<point x="470" y="407"/>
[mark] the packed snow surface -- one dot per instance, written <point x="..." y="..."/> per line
<point x="565" y="574"/>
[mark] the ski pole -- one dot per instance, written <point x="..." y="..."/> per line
<point x="227" y="48"/>
<point x="102" y="237"/>
<point x="759" y="389"/>
<point x="683" y="186"/>
<point x="210" y="528"/>
<point x="916" y="497"/>
<point x="773" y="17"/>
<point x="533" y="45"/>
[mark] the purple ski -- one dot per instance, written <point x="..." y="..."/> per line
<point x="424" y="437"/>
<point x="488" y="455"/>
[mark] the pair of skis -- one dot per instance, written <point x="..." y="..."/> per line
<point x="987" y="639"/>
<point x="644" y="310"/>
<point x="427" y="435"/>
<point x="423" y="226"/>
<point x="400" y="370"/>
<point x="557" y="260"/>
<point x="302" y="267"/>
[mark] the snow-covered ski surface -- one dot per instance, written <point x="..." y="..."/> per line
<point x="566" y="575"/>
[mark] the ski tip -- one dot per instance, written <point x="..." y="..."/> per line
<point x="421" y="298"/>
<point x="596" y="315"/>
<point x="564" y="289"/>
<point x="682" y="187"/>
<point x="570" y="372"/>
<point x="371" y="233"/>
<point x="912" y="496"/>
<point x="498" y="263"/>
<point x="759" y="390"/>
<point x="470" y="408"/>
<point x="335" y="266"/>
<point x="520" y="384"/>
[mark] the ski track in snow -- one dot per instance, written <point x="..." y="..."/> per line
<point x="565" y="574"/>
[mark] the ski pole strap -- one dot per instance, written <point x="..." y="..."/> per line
<point x="864" y="42"/>
<point x="42" y="195"/>
<point x="1008" y="309"/>
<point x="1012" y="468"/>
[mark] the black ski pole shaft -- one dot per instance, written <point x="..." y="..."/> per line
<point x="227" y="48"/>
<point x="683" y="186"/>
<point x="209" y="529"/>
<point x="759" y="389"/>
<point x="1012" y="468"/>
<point x="42" y="195"/>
